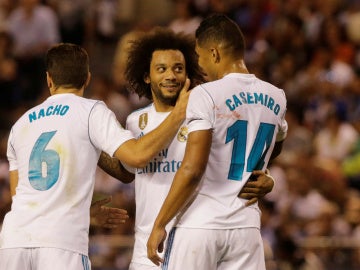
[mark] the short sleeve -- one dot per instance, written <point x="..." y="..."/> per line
<point x="200" y="110"/>
<point x="105" y="131"/>
<point x="283" y="128"/>
<point x="11" y="156"/>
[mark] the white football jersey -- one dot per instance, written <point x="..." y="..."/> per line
<point x="55" y="147"/>
<point x="152" y="183"/>
<point x="246" y="116"/>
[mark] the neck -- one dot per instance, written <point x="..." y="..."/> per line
<point x="234" y="67"/>
<point x="61" y="90"/>
<point x="161" y="107"/>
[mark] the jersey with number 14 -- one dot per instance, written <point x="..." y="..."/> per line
<point x="246" y="116"/>
<point x="55" y="148"/>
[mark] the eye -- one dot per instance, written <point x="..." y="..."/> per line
<point x="179" y="69"/>
<point x="161" y="69"/>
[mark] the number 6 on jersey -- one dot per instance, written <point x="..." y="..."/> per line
<point x="43" y="164"/>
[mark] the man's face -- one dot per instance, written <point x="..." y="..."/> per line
<point x="167" y="75"/>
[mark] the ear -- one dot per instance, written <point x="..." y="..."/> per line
<point x="215" y="55"/>
<point x="49" y="80"/>
<point x="87" y="80"/>
<point x="147" y="78"/>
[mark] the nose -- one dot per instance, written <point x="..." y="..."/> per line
<point x="170" y="74"/>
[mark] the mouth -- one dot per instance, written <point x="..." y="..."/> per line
<point x="171" y="87"/>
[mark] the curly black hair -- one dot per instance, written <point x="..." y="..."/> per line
<point x="141" y="51"/>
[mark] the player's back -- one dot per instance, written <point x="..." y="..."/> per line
<point x="245" y="115"/>
<point x="56" y="162"/>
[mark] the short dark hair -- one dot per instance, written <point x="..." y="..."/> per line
<point x="141" y="51"/>
<point x="67" y="65"/>
<point x="219" y="28"/>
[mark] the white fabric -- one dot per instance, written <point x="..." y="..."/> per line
<point x="51" y="210"/>
<point x="238" y="108"/>
<point x="195" y="249"/>
<point x="153" y="182"/>
<point x="42" y="259"/>
<point x="141" y="266"/>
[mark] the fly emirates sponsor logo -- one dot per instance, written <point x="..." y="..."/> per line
<point x="161" y="164"/>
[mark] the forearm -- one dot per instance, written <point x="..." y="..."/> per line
<point x="277" y="150"/>
<point x="138" y="153"/>
<point x="187" y="177"/>
<point x="181" y="192"/>
<point x="14" y="179"/>
<point x="113" y="167"/>
<point x="159" y="138"/>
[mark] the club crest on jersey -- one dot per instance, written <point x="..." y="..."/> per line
<point x="143" y="120"/>
<point x="182" y="135"/>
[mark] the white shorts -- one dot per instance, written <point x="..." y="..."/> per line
<point x="139" y="259"/>
<point x="140" y="266"/>
<point x="202" y="249"/>
<point x="42" y="259"/>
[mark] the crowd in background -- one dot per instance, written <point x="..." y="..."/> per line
<point x="309" y="48"/>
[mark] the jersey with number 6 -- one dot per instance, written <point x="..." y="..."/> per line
<point x="246" y="116"/>
<point x="55" y="148"/>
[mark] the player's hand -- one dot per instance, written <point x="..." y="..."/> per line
<point x="262" y="184"/>
<point x="107" y="217"/>
<point x="155" y="244"/>
<point x="183" y="99"/>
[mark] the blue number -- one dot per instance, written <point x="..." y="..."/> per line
<point x="255" y="161"/>
<point x="237" y="132"/>
<point x="41" y="179"/>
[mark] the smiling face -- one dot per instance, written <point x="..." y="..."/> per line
<point x="167" y="76"/>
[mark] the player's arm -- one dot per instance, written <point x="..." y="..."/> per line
<point x="137" y="153"/>
<point x="113" y="167"/>
<point x="14" y="179"/>
<point x="280" y="138"/>
<point x="185" y="182"/>
<point x="277" y="149"/>
<point x="261" y="184"/>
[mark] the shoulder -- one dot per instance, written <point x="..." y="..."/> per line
<point x="201" y="88"/>
<point x="207" y="90"/>
<point x="23" y="117"/>
<point x="77" y="103"/>
<point x="79" y="100"/>
<point x="211" y="86"/>
<point x="135" y="115"/>
<point x="140" y="111"/>
<point x="275" y="92"/>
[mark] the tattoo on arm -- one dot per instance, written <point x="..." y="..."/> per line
<point x="113" y="167"/>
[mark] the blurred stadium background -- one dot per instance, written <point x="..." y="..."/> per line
<point x="310" y="48"/>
